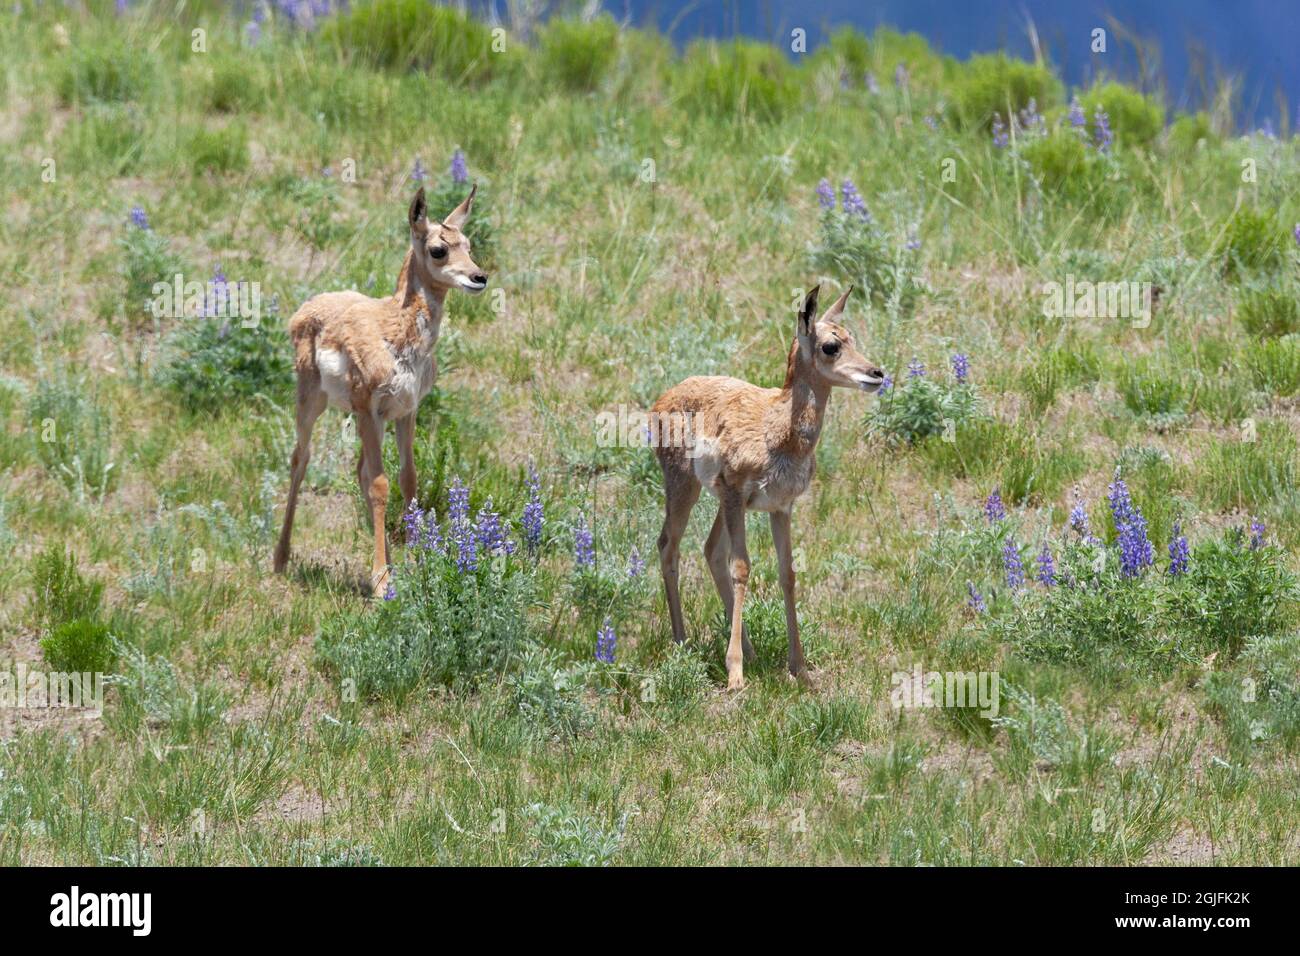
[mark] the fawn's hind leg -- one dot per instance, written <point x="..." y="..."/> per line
<point x="717" y="550"/>
<point x="311" y="402"/>
<point x="681" y="491"/>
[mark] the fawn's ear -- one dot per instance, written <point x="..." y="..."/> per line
<point x="808" y="314"/>
<point x="419" y="214"/>
<point x="460" y="215"/>
<point x="837" y="308"/>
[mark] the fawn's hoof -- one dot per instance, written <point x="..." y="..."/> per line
<point x="804" y="678"/>
<point x="735" y="680"/>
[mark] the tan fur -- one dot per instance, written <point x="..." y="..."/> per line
<point x="754" y="450"/>
<point x="375" y="359"/>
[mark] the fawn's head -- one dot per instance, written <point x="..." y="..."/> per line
<point x="828" y="347"/>
<point x="441" y="250"/>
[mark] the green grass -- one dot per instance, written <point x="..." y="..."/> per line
<point x="469" y="722"/>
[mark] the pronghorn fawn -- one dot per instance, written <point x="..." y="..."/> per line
<point x="374" y="358"/>
<point x="753" y="448"/>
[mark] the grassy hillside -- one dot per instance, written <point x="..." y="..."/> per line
<point x="1100" y="508"/>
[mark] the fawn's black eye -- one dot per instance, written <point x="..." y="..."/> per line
<point x="438" y="252"/>
<point x="831" y="348"/>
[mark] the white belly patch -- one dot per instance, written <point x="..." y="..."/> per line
<point x="334" y="368"/>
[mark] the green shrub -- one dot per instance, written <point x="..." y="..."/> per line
<point x="680" y="682"/>
<point x="446" y="619"/>
<point x="415" y="34"/>
<point x="1062" y="367"/>
<point x="73" y="435"/>
<point x="147" y="259"/>
<point x="1240" y="473"/>
<point x="80" y="646"/>
<point x="550" y="695"/>
<point x="105" y="69"/>
<point x="991" y="84"/>
<point x="1232" y="592"/>
<point x="1275" y="366"/>
<point x="740" y="78"/>
<point x="1187" y="132"/>
<point x="1260" y="700"/>
<point x="1154" y="391"/>
<point x="1136" y="120"/>
<point x="218" y="151"/>
<point x="213" y="364"/>
<point x="1269" y="311"/>
<point x="110" y="136"/>
<point x="1064" y="164"/>
<point x="233" y="86"/>
<point x="851" y="243"/>
<point x="60" y="594"/>
<point x="576" y="54"/>
<point x="921" y="406"/>
<point x="1250" y="241"/>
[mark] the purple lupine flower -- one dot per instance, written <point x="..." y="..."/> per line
<point x="217" y="296"/>
<point x="606" y="640"/>
<point x="1001" y="138"/>
<point x="853" y="203"/>
<point x="253" y="32"/>
<point x="901" y="76"/>
<point x="1030" y="119"/>
<point x="457" y="500"/>
<point x="1078" y="119"/>
<point x="413" y="520"/>
<point x="462" y="533"/>
<point x="390" y="592"/>
<point x="534" y="516"/>
<point x="931" y="122"/>
<point x="121" y="6"/>
<point x="874" y="87"/>
<point x="1257" y="529"/>
<point x="1131" y="527"/>
<point x="490" y="533"/>
<point x="584" y="550"/>
<point x="975" y="601"/>
<point x="915" y="369"/>
<point x="1011" y="562"/>
<point x="993" y="509"/>
<point x="140" y="219"/>
<point x="1179" y="552"/>
<point x="459" y="169"/>
<point x="635" y="563"/>
<point x="418" y="172"/>
<point x="913" y="241"/>
<point x="1079" y="519"/>
<point x="1296" y="233"/>
<point x="1046" y="566"/>
<point x="961" y="367"/>
<point x="887" y="384"/>
<point x="826" y="195"/>
<point x="1103" y="133"/>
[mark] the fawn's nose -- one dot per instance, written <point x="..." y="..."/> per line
<point x="875" y="372"/>
<point x="479" y="278"/>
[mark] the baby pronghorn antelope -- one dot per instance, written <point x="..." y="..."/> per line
<point x="753" y="449"/>
<point x="374" y="358"/>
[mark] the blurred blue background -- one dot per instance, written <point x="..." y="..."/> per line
<point x="1189" y="45"/>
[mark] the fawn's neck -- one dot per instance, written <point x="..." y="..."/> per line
<point x="801" y="406"/>
<point x="419" y="301"/>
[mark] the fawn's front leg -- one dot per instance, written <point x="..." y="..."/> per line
<point x="372" y="438"/>
<point x="785" y="561"/>
<point x="405" y="429"/>
<point x="733" y="509"/>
